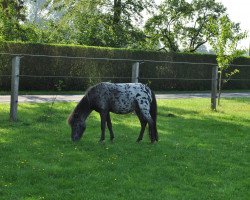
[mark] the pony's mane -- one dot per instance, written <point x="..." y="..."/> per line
<point x="84" y="103"/>
<point x="79" y="109"/>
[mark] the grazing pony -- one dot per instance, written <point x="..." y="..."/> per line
<point x="120" y="98"/>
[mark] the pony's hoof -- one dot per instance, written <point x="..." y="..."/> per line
<point x="138" y="140"/>
<point x="101" y="141"/>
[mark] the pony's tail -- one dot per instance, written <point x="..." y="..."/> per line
<point x="153" y="113"/>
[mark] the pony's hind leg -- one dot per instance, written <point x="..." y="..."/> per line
<point x="110" y="127"/>
<point x="152" y="132"/>
<point x="144" y="110"/>
<point x="143" y="125"/>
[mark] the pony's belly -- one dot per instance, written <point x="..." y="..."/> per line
<point x="122" y="108"/>
<point x="122" y="111"/>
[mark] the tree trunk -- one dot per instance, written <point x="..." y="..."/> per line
<point x="117" y="11"/>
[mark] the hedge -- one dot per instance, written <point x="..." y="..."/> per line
<point x="33" y="69"/>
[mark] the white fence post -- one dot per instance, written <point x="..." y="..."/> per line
<point x="214" y="87"/>
<point x="14" y="88"/>
<point x="135" y="72"/>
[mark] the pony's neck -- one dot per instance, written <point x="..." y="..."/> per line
<point x="83" y="108"/>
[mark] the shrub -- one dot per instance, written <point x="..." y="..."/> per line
<point x="79" y="73"/>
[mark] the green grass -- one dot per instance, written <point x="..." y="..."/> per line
<point x="201" y="154"/>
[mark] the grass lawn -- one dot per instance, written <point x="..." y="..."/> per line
<point x="201" y="154"/>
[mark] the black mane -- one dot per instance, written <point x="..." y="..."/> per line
<point x="79" y="109"/>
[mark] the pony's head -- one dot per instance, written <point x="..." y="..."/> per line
<point x="78" y="126"/>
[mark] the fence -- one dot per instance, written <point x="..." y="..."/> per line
<point x="136" y="75"/>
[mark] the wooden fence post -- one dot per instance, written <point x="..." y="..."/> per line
<point x="135" y="72"/>
<point x="14" y="88"/>
<point x="214" y="87"/>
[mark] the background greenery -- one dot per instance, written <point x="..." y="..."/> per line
<point x="201" y="154"/>
<point x="172" y="26"/>
<point x="93" y="70"/>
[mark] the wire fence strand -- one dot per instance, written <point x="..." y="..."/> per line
<point x="117" y="59"/>
<point x="118" y="77"/>
<point x="74" y="77"/>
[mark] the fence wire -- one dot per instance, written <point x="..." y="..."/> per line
<point x="117" y="59"/>
<point x="109" y="77"/>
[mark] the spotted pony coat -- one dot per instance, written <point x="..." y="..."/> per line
<point x="120" y="98"/>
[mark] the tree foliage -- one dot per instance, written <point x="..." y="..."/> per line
<point x="177" y="25"/>
<point x="96" y="23"/>
<point x="11" y="14"/>
<point x="181" y="26"/>
<point x="225" y="45"/>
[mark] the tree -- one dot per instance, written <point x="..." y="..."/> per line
<point x="180" y="25"/>
<point x="11" y="14"/>
<point x="224" y="44"/>
<point x="165" y="26"/>
<point x="127" y="17"/>
<point x="98" y="23"/>
<point x="129" y="10"/>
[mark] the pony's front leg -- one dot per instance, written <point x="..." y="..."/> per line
<point x="110" y="127"/>
<point x="103" y="116"/>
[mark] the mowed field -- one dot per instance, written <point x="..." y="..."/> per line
<point x="201" y="154"/>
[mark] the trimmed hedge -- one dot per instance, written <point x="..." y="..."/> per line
<point x="33" y="68"/>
